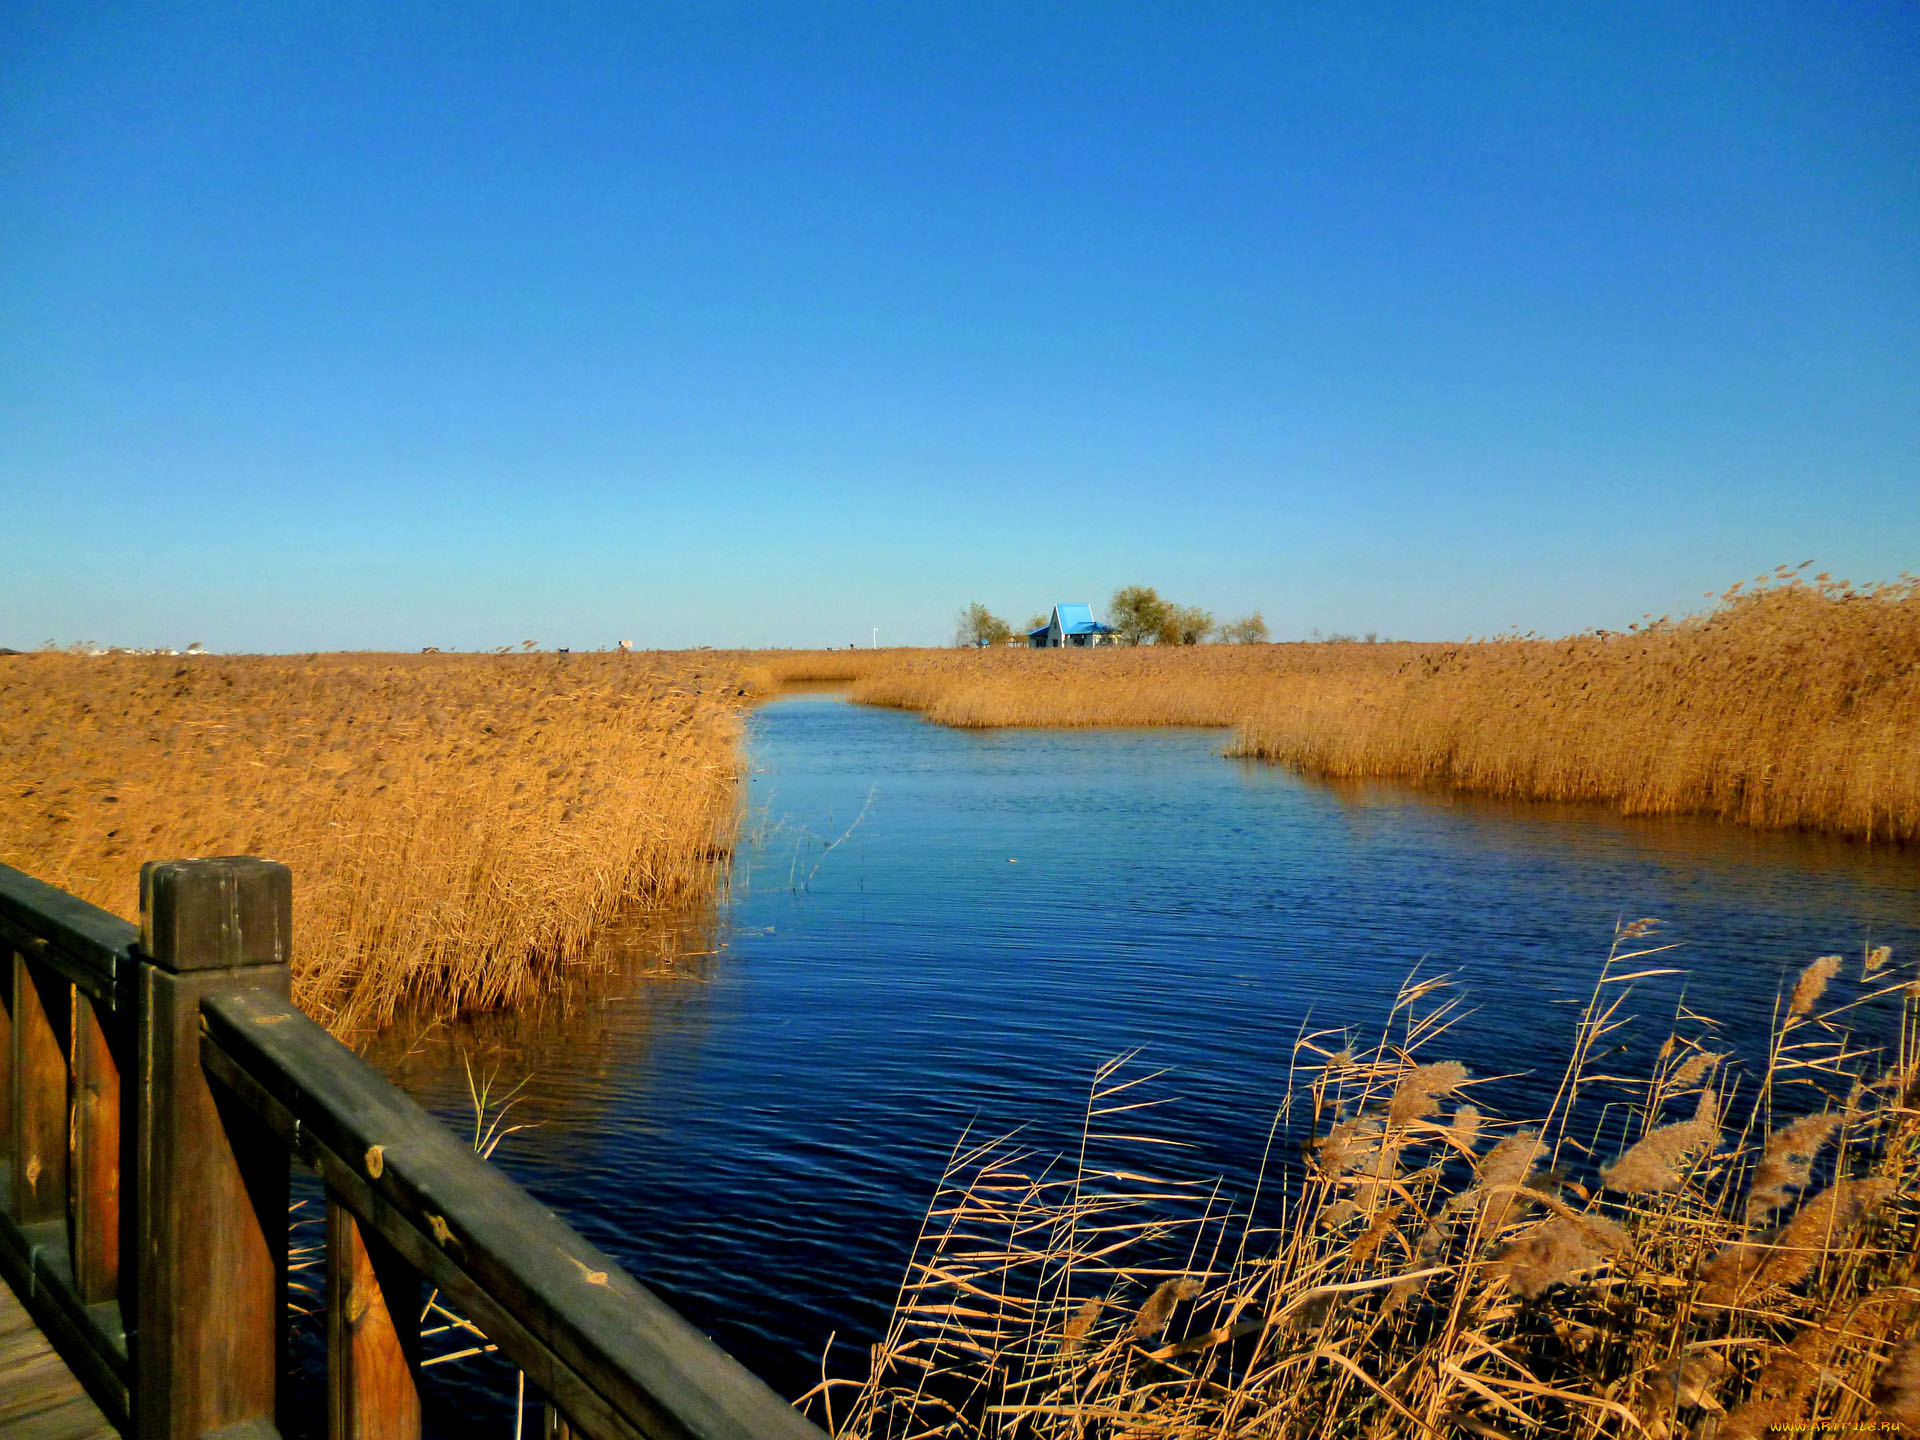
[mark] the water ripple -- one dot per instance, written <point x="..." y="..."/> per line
<point x="760" y="1148"/>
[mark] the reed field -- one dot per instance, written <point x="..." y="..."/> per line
<point x="1147" y="685"/>
<point x="1721" y="1249"/>
<point x="1791" y="704"/>
<point x="461" y="829"/>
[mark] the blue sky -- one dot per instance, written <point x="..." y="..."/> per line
<point x="379" y="326"/>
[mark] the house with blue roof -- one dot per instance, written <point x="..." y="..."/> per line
<point x="1070" y="625"/>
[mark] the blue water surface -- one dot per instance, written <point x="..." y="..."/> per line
<point x="934" y="929"/>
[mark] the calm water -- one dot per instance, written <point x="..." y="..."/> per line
<point x="1004" y="911"/>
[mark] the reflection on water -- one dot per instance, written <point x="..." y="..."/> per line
<point x="934" y="929"/>
<point x="590" y="1029"/>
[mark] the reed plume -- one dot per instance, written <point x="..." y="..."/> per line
<point x="1659" y="1162"/>
<point x="1694" y="1068"/>
<point x="1413" y="1309"/>
<point x="1555" y="1251"/>
<point x="1786" y="1163"/>
<point x="1812" y="984"/>
<point x="1420" y="1089"/>
<point x="1464" y="1130"/>
<point x="1158" y="1309"/>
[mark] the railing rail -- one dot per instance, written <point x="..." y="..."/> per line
<point x="171" y="1053"/>
<point x="95" y="950"/>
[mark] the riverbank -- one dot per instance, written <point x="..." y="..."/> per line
<point x="462" y="829"/>
<point x="1793" y="705"/>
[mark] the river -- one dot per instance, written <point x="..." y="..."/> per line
<point x="933" y="929"/>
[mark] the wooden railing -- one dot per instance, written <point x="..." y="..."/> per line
<point x="170" y="1053"/>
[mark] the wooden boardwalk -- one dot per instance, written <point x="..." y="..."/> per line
<point x="39" y="1398"/>
<point x="171" y="1051"/>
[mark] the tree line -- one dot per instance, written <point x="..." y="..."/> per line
<point x="1137" y="615"/>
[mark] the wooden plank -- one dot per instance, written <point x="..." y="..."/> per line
<point x="7" y="962"/>
<point x="212" y="1183"/>
<point x="21" y="1343"/>
<point x="39" y="1399"/>
<point x="86" y="934"/>
<point x="94" y="1178"/>
<point x="373" y="1354"/>
<point x="245" y="1430"/>
<point x="14" y="1319"/>
<point x="35" y="1253"/>
<point x="582" y="1329"/>
<point x="77" y="1418"/>
<point x="34" y="1382"/>
<point x="41" y="1002"/>
<point x="90" y="1340"/>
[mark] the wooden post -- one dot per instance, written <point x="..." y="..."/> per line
<point x="94" y="1180"/>
<point x="373" y="1335"/>
<point x="212" y="1182"/>
<point x="41" y="1001"/>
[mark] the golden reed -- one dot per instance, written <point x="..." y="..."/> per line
<point x="1654" y="1258"/>
<point x="461" y="828"/>
<point x="1790" y="705"/>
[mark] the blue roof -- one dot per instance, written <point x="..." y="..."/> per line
<point x="1074" y="620"/>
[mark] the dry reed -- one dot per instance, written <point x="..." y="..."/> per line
<point x="460" y="828"/>
<point x="1792" y="704"/>
<point x="1416" y="1295"/>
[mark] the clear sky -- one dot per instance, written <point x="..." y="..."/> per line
<point x="385" y="325"/>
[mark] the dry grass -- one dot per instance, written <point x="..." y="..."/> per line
<point x="1177" y="685"/>
<point x="1583" y="1274"/>
<point x="461" y="828"/>
<point x="1790" y="705"/>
